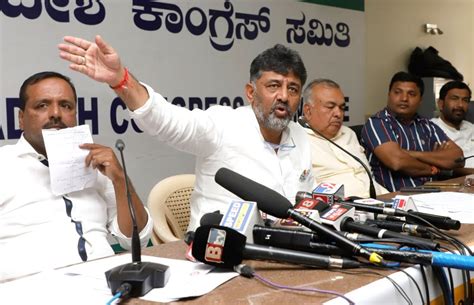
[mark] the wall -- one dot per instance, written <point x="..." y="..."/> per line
<point x="181" y="48"/>
<point x="395" y="28"/>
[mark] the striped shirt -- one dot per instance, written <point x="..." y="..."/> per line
<point x="419" y="135"/>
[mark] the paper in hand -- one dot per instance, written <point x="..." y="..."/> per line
<point x="66" y="160"/>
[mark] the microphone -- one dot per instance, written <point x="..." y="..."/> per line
<point x="306" y="241"/>
<point x="373" y="194"/>
<point x="442" y="222"/>
<point x="462" y="159"/>
<point x="224" y="247"/>
<point x="295" y="240"/>
<point x="141" y="276"/>
<point x="399" y="226"/>
<point x="213" y="218"/>
<point x="274" y="204"/>
<point x="341" y="217"/>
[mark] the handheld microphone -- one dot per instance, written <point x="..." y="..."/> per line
<point x="373" y="194"/>
<point x="141" y="276"/>
<point x="224" y="247"/>
<point x="306" y="241"/>
<point x="462" y="159"/>
<point x="276" y="205"/>
<point x="442" y="222"/>
<point x="399" y="226"/>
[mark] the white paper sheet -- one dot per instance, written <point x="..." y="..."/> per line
<point x="67" y="161"/>
<point x="459" y="206"/>
<point x="86" y="284"/>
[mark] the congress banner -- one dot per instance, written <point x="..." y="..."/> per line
<point x="195" y="53"/>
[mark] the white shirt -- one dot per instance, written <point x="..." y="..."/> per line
<point x="231" y="138"/>
<point x="464" y="137"/>
<point x="36" y="233"/>
<point x="330" y="164"/>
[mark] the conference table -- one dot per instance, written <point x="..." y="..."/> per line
<point x="241" y="290"/>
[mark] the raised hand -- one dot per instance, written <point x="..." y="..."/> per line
<point x="98" y="60"/>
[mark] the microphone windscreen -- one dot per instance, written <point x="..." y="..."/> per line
<point x="119" y="144"/>
<point x="267" y="199"/>
<point x="459" y="160"/>
<point x="218" y="246"/>
<point x="302" y="121"/>
<point x="213" y="218"/>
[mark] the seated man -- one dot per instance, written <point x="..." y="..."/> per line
<point x="454" y="98"/>
<point x="403" y="148"/>
<point x="39" y="230"/>
<point x="324" y="111"/>
<point x="260" y="141"/>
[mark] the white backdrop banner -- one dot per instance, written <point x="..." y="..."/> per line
<point x="195" y="53"/>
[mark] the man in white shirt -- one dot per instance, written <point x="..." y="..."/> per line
<point x="40" y="230"/>
<point x="324" y="111"/>
<point x="453" y="102"/>
<point x="259" y="141"/>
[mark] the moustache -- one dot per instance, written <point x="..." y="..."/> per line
<point x="54" y="124"/>
<point x="283" y="105"/>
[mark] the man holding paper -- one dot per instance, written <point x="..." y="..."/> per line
<point x="58" y="229"/>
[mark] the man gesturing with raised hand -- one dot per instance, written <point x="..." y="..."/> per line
<point x="259" y="141"/>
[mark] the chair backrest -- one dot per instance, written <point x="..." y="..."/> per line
<point x="358" y="131"/>
<point x="168" y="203"/>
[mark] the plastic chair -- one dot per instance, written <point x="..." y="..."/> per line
<point x="169" y="207"/>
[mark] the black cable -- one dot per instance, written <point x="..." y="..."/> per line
<point x="416" y="284"/>
<point x="451" y="282"/>
<point x="425" y="281"/>
<point x="440" y="276"/>
<point x="461" y="248"/>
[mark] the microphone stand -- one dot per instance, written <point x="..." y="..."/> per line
<point x="462" y="159"/>
<point x="372" y="192"/>
<point x="138" y="277"/>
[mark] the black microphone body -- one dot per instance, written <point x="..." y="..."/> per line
<point x="225" y="247"/>
<point x="372" y="193"/>
<point x="462" y="159"/>
<point x="304" y="241"/>
<point x="399" y="226"/>
<point x="442" y="222"/>
<point x="142" y="276"/>
<point x="350" y="225"/>
<point x="253" y="251"/>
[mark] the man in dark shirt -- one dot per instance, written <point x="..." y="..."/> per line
<point x="403" y="148"/>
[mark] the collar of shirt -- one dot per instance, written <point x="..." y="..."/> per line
<point x="24" y="148"/>
<point x="339" y="134"/>
<point x="390" y="114"/>
<point x="463" y="126"/>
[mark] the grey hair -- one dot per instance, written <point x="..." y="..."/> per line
<point x="320" y="81"/>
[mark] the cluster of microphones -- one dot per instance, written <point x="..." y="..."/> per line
<point x="320" y="230"/>
<point x="316" y="233"/>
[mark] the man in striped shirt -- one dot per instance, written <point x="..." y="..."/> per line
<point x="403" y="148"/>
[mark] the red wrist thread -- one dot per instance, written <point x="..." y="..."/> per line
<point x="123" y="82"/>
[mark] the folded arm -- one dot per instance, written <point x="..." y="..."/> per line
<point x="399" y="160"/>
<point x="442" y="156"/>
